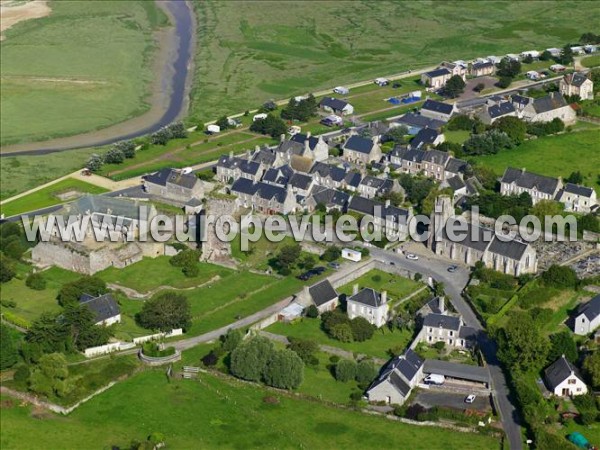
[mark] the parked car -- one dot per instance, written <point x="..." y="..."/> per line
<point x="392" y="263"/>
<point x="334" y="265"/>
<point x="412" y="256"/>
<point x="434" y="378"/>
<point x="317" y="270"/>
<point x="305" y="276"/>
<point x="452" y="268"/>
<point x="341" y="90"/>
<point x="470" y="398"/>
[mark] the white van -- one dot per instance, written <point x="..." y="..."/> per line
<point x="259" y="116"/>
<point x="434" y="378"/>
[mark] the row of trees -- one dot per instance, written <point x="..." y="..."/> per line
<point x="270" y="125"/>
<point x="301" y="110"/>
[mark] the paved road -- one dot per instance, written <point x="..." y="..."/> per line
<point x="432" y="266"/>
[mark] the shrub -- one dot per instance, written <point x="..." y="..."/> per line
<point x="114" y="156"/>
<point x="376" y="278"/>
<point x="284" y="370"/>
<point x="21" y="375"/>
<point x="152" y="349"/>
<point x="210" y="359"/>
<point x="249" y="360"/>
<point x="334" y="359"/>
<point x="365" y="372"/>
<point x="231" y="339"/>
<point x="36" y="281"/>
<point x="304" y="348"/>
<point x="345" y="370"/>
<point x="342" y="332"/>
<point x="439" y="345"/>
<point x="361" y="329"/>
<point x="312" y="311"/>
<point x="8" y="303"/>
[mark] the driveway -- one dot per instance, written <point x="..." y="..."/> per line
<point x="429" y="399"/>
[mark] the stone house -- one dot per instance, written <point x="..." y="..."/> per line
<point x="302" y="145"/>
<point x="587" y="317"/>
<point x="323" y="295"/>
<point x="416" y="122"/>
<point x="436" y="79"/>
<point x="456" y="68"/>
<point x="230" y="168"/>
<point x="481" y="69"/>
<point x="330" y="198"/>
<point x="578" y="198"/>
<point x="360" y="150"/>
<point x="172" y="184"/>
<point x="430" y="163"/>
<point x="433" y="109"/>
<point x="368" y="304"/>
<point x="105" y="308"/>
<point x="427" y="137"/>
<point x="371" y="187"/>
<point x="301" y="184"/>
<point x="264" y="198"/>
<point x="577" y="84"/>
<point x="539" y="187"/>
<point x="545" y="109"/>
<point x="391" y="221"/>
<point x="563" y="379"/>
<point x="396" y="379"/>
<point x="490" y="113"/>
<point x="328" y="175"/>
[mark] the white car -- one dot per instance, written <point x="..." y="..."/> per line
<point x="470" y="398"/>
<point x="412" y="256"/>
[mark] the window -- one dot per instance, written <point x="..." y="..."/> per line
<point x="572" y="381"/>
<point x="451" y="333"/>
<point x="578" y="389"/>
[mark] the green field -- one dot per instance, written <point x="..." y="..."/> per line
<point x="396" y="286"/>
<point x="84" y="67"/>
<point x="49" y="196"/>
<point x="553" y="156"/>
<point x="214" y="413"/>
<point x="591" y="61"/>
<point x="250" y="52"/>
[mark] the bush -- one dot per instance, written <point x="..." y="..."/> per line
<point x="249" y="360"/>
<point x="312" y="311"/>
<point x="210" y="359"/>
<point x="345" y="370"/>
<point x="342" y="332"/>
<point x="284" y="370"/>
<point x="231" y="339"/>
<point x="114" y="156"/>
<point x="21" y="375"/>
<point x="560" y="277"/>
<point x="334" y="359"/>
<point x="361" y="329"/>
<point x="365" y="372"/>
<point x="94" y="163"/>
<point x="304" y="348"/>
<point x="440" y="345"/>
<point x="36" y="281"/>
<point x="165" y="312"/>
<point x="331" y="253"/>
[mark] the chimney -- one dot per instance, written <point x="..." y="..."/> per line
<point x="441" y="305"/>
<point x="282" y="137"/>
<point x="231" y="154"/>
<point x="383" y="297"/>
<point x="308" y="134"/>
<point x="257" y="148"/>
<point x="247" y="154"/>
<point x="375" y="139"/>
<point x="355" y="289"/>
<point x="523" y="170"/>
<point x="387" y="203"/>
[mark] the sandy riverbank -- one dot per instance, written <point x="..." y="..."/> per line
<point x="13" y="12"/>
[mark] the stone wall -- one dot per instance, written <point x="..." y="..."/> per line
<point x="53" y="254"/>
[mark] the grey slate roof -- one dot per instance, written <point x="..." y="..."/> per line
<point x="529" y="180"/>
<point x="550" y="102"/>
<point x="439" y="107"/>
<point x="482" y="65"/>
<point x="263" y="190"/>
<point x="442" y="321"/>
<point x="326" y="170"/>
<point x="368" y="297"/>
<point x="437" y="73"/>
<point x="164" y="176"/>
<point x="474" y="237"/>
<point x="425" y="136"/>
<point x="500" y="109"/>
<point x="468" y="333"/>
<point x="575" y="79"/>
<point x="300" y="181"/>
<point x="322" y="292"/>
<point x="264" y="156"/>
<point x="408" y="154"/>
<point x="104" y="307"/>
<point x="300" y="138"/>
<point x="359" y="144"/>
<point x="456" y="183"/>
<point x="559" y="371"/>
<point x="455" y="370"/>
<point x="249" y="167"/>
<point x="334" y="103"/>
<point x="436" y="157"/>
<point x="353" y="179"/>
<point x="377" y="183"/>
<point x="419" y="121"/>
<point x="399" y="384"/>
<point x="591" y="309"/>
<point x="512" y="249"/>
<point x="330" y="197"/>
<point x="578" y="190"/>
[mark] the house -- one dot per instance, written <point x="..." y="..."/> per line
<point x="264" y="156"/>
<point x="563" y="379"/>
<point x="431" y="163"/>
<point x="416" y="122"/>
<point x="303" y="145"/>
<point x="539" y="187"/>
<point x="262" y="197"/>
<point x="490" y="113"/>
<point x="557" y="68"/>
<point x="336" y="106"/>
<point x="175" y="185"/>
<point x="396" y="379"/>
<point x="474" y="243"/>
<point x="330" y="198"/>
<point x="456" y="68"/>
<point x="368" y="304"/>
<point x="328" y="175"/>
<point x="322" y="295"/>
<point x="360" y="150"/>
<point x="436" y="79"/>
<point x="481" y="69"/>
<point x="532" y="53"/>
<point x="577" y="198"/>
<point x="389" y="220"/>
<point x="230" y="168"/>
<point x="577" y="84"/>
<point x="438" y="110"/>
<point x="554" y="51"/>
<point x="587" y="317"/>
<point x="547" y="108"/>
<point x="371" y="187"/>
<point x="279" y="176"/>
<point x="105" y="308"/>
<point x="427" y="138"/>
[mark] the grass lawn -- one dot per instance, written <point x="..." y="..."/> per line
<point x="49" y="196"/>
<point x="151" y="273"/>
<point x="553" y="156"/>
<point x="591" y="61"/>
<point x="591" y="107"/>
<point x="31" y="303"/>
<point x="591" y="432"/>
<point x="85" y="66"/>
<point x="397" y="287"/>
<point x="377" y="346"/>
<point x="226" y="414"/>
<point x="458" y="136"/>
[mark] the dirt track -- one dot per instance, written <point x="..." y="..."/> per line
<point x="11" y="15"/>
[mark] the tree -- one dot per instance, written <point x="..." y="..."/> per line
<point x="301" y="110"/>
<point x="127" y="148"/>
<point x="504" y="82"/>
<point x="45" y="335"/>
<point x="13" y="248"/>
<point x="461" y="122"/>
<point x="71" y="292"/>
<point x="560" y="277"/>
<point x="479" y="87"/>
<point x="397" y="134"/>
<point x="8" y="352"/>
<point x="80" y="329"/>
<point x="345" y="370"/>
<point x="49" y="377"/>
<point x="312" y="311"/>
<point x="331" y="253"/>
<point x="589" y="38"/>
<point x="575" y="178"/>
<point x="165" y="312"/>
<point x="490" y="142"/>
<point x="288" y="255"/>
<point x="528" y="59"/>
<point x="307" y="261"/>
<point x="94" y="163"/>
<point x="454" y="86"/>
<point x="342" y="332"/>
<point x="562" y="344"/>
<point x="223" y="123"/>
<point x="362" y="330"/>
<point x="589" y="222"/>
<point x="249" y="360"/>
<point x="508" y="68"/>
<point x="285" y="370"/>
<point x="7" y="271"/>
<point x="305" y="348"/>
<point x="231" y="339"/>
<point x="210" y="359"/>
<point x="521" y="344"/>
<point x="271" y="125"/>
<point x="591" y="367"/>
<point x="365" y="372"/>
<point x="545" y="56"/>
<point x="177" y="130"/>
<point x="114" y="156"/>
<point x="514" y="128"/>
<point x="35" y="281"/>
<point x="160" y="137"/>
<point x="185" y="258"/>
<point x="566" y="56"/>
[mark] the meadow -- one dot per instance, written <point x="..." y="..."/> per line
<point x="214" y="413"/>
<point x="250" y="52"/>
<point x="553" y="156"/>
<point x="50" y="196"/>
<point x="84" y="67"/>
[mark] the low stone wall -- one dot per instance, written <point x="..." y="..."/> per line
<point x="159" y="361"/>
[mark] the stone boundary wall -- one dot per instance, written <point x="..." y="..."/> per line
<point x="159" y="360"/>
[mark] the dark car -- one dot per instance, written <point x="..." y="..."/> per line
<point x="317" y="270"/>
<point x="396" y="85"/>
<point x="305" y="276"/>
<point x="452" y="269"/>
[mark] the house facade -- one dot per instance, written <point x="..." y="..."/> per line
<point x="397" y="379"/>
<point x="481" y="69"/>
<point x="362" y="151"/>
<point x="587" y="317"/>
<point x="368" y="304"/>
<point x="263" y="198"/>
<point x="389" y="220"/>
<point x="174" y="185"/>
<point x="577" y="84"/>
<point x="336" y="106"/>
<point x="323" y="295"/>
<point x="539" y="187"/>
<point x="578" y="198"/>
<point x="436" y="79"/>
<point x="105" y="308"/>
<point x="563" y="379"/>
<point x="545" y="109"/>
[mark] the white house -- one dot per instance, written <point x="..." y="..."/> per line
<point x="563" y="379"/>
<point x="577" y="84"/>
<point x="577" y="198"/>
<point x="369" y="304"/>
<point x="396" y="379"/>
<point x="587" y="317"/>
<point x="105" y="308"/>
